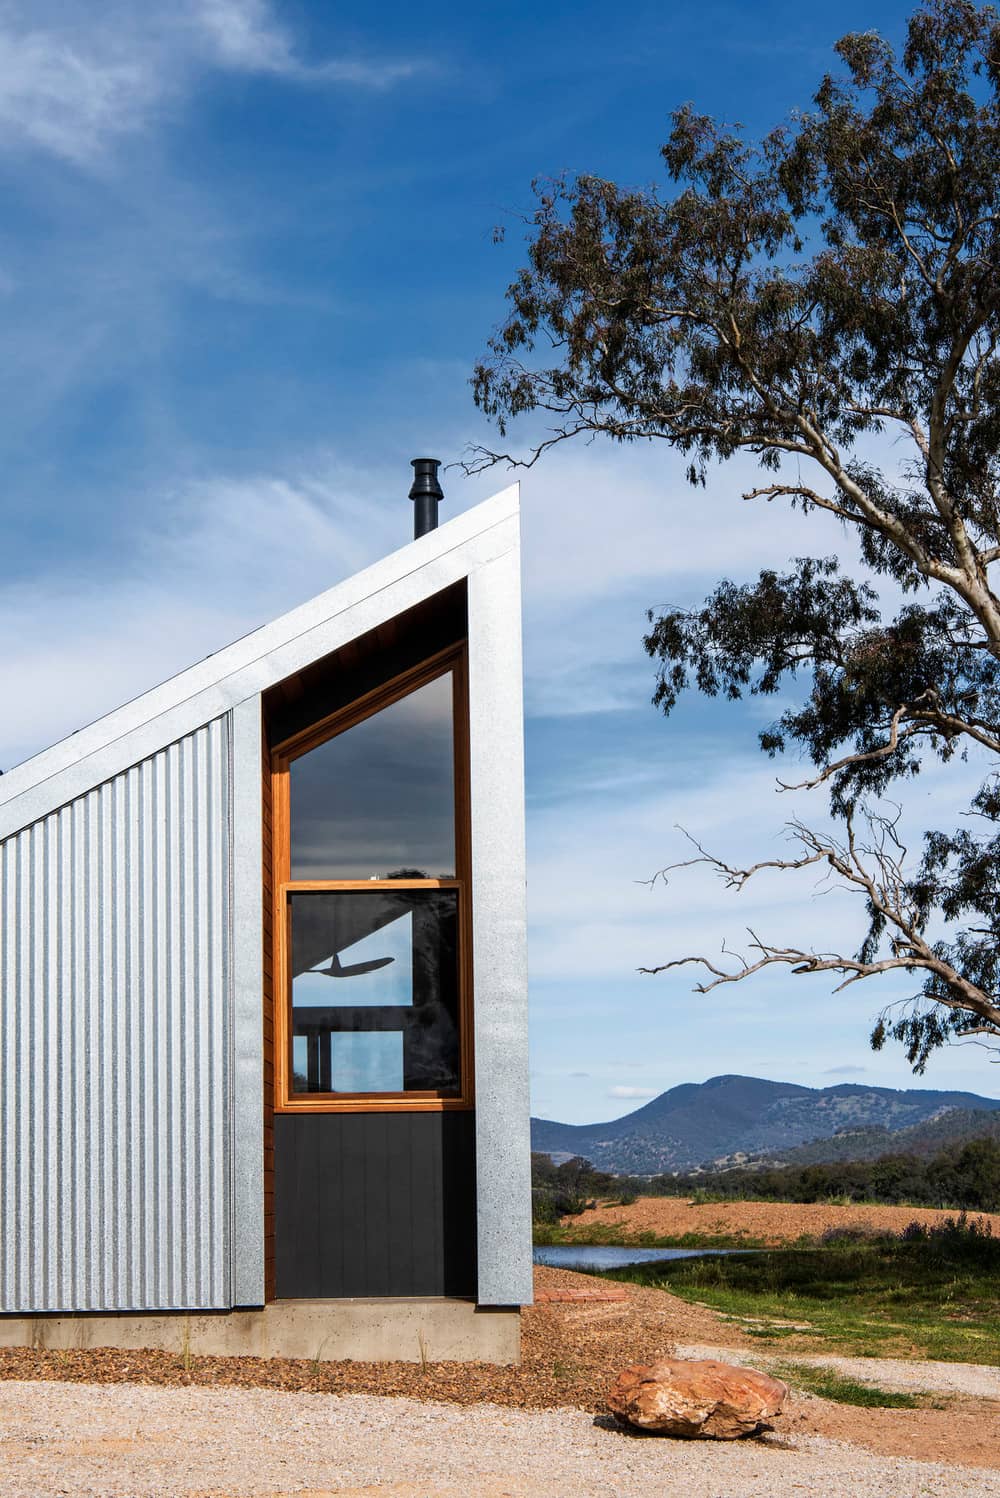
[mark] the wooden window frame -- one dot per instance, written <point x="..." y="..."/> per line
<point x="455" y="661"/>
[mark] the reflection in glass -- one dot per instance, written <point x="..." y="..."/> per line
<point x="378" y="800"/>
<point x="371" y="1062"/>
<point x="379" y="966"/>
<point x="374" y="982"/>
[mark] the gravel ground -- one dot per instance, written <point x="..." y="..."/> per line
<point x="127" y="1441"/>
<point x="129" y="1424"/>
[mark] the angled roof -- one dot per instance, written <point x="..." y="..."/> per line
<point x="250" y="665"/>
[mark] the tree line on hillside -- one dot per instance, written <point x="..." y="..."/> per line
<point x="957" y="1126"/>
<point x="963" y="1177"/>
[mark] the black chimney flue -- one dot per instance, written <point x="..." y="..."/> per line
<point x="426" y="493"/>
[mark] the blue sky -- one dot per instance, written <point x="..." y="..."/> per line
<point x="246" y="267"/>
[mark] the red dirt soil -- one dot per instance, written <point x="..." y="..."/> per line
<point x="770" y="1223"/>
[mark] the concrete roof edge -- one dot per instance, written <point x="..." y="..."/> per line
<point x="422" y="555"/>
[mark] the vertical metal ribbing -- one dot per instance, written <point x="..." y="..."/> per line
<point x="115" y="1033"/>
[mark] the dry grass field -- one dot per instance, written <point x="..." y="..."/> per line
<point x="766" y="1223"/>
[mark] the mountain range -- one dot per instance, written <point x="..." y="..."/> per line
<point x="727" y="1119"/>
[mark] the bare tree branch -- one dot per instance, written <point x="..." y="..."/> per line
<point x="874" y="869"/>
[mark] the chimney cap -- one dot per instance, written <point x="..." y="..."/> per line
<point x="425" y="478"/>
<point x="425" y="491"/>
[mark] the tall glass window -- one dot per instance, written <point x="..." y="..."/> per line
<point x="371" y="907"/>
<point x="378" y="800"/>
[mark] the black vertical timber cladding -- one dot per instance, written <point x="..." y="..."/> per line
<point x="374" y="1204"/>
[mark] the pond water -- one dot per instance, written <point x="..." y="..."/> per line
<point x="602" y="1256"/>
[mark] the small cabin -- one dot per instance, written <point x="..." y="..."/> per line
<point x="263" y="1001"/>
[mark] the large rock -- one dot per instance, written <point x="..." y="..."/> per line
<point x="674" y="1397"/>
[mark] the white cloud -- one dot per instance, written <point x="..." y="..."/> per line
<point x="247" y="37"/>
<point x="70" y="95"/>
<point x="594" y="919"/>
<point x="222" y="557"/>
<point x="611" y="533"/>
<point x="606" y="518"/>
<point x="632" y="1092"/>
<point x="73" y="86"/>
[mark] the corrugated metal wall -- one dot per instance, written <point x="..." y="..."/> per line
<point x="115" y="1070"/>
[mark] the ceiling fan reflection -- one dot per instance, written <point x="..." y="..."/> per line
<point x="337" y="969"/>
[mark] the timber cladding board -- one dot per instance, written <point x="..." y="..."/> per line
<point x="338" y="679"/>
<point x="267" y="989"/>
<point x="375" y="1204"/>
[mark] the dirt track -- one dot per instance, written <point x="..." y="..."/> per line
<point x="765" y="1222"/>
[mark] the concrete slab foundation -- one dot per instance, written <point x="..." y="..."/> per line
<point x="408" y="1331"/>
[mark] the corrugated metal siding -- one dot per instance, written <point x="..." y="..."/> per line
<point x="115" y="983"/>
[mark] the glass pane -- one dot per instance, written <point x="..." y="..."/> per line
<point x="378" y="801"/>
<point x="359" y="1062"/>
<point x="374" y="979"/>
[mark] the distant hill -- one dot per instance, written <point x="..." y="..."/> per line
<point x="924" y="1140"/>
<point x="696" y="1124"/>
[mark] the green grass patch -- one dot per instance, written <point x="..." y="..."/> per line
<point x="926" y="1294"/>
<point x="828" y="1384"/>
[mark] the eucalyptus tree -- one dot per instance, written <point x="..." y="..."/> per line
<point x="808" y="298"/>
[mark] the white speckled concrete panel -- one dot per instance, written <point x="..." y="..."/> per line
<point x="499" y="932"/>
